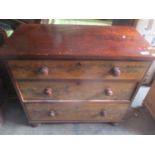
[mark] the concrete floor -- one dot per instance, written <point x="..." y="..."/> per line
<point x="137" y="121"/>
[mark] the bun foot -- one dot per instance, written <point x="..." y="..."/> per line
<point x="34" y="125"/>
<point x="113" y="124"/>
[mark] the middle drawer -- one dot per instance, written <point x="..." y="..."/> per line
<point x="31" y="91"/>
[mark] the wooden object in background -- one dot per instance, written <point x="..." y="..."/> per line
<point x="1" y="102"/>
<point x="3" y="38"/>
<point x="149" y="100"/>
<point x="65" y="73"/>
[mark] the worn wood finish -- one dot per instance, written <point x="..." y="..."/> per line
<point x="149" y="101"/>
<point x="75" y="90"/>
<point x="77" y="112"/>
<point x="73" y="41"/>
<point x="78" y="69"/>
<point x="76" y="73"/>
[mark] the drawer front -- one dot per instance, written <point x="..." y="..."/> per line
<point x="102" y="112"/>
<point x="69" y="69"/>
<point x="75" y="90"/>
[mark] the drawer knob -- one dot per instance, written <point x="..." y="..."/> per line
<point x="48" y="91"/>
<point x="78" y="65"/>
<point x="44" y="70"/>
<point x="103" y="113"/>
<point x="108" y="92"/>
<point x="116" y="71"/>
<point x="52" y="113"/>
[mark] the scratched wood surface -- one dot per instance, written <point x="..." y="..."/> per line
<point x="73" y="41"/>
<point x="78" y="69"/>
<point x="76" y="63"/>
<point x="82" y="112"/>
<point x="75" y="90"/>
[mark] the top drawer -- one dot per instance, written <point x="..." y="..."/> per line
<point x="74" y="69"/>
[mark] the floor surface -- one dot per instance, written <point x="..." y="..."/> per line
<point x="137" y="121"/>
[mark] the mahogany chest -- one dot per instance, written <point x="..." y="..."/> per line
<point x="65" y="73"/>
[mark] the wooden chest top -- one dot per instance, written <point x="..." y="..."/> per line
<point x="70" y="41"/>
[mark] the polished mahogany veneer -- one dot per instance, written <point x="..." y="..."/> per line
<point x="70" y="41"/>
<point x="65" y="73"/>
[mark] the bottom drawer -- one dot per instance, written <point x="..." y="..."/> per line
<point x="76" y="112"/>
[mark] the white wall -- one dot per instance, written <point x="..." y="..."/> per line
<point x="146" y="27"/>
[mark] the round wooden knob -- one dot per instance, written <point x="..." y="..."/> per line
<point x="78" y="65"/>
<point x="108" y="92"/>
<point x="103" y="113"/>
<point x="116" y="71"/>
<point x="44" y="70"/>
<point x="52" y="113"/>
<point x="48" y="91"/>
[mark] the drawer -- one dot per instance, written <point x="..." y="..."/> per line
<point x="69" y="69"/>
<point x="83" y="112"/>
<point x="75" y="90"/>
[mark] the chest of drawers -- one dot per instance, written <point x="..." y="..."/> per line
<point x="76" y="73"/>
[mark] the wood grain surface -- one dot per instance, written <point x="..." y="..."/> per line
<point x="75" y="90"/>
<point x="82" y="112"/>
<point x="64" y="73"/>
<point x="74" y="41"/>
<point x="78" y="69"/>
